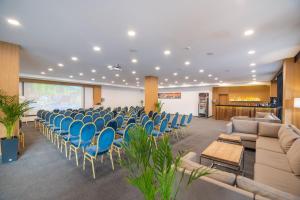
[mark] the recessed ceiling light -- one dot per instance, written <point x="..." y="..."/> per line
<point x="252" y="64"/>
<point x="123" y="80"/>
<point x="186" y="77"/>
<point x="248" y="32"/>
<point x="202" y="82"/>
<point x="175" y="73"/>
<point x="93" y="71"/>
<point x="253" y="71"/>
<point x="131" y="33"/>
<point x="201" y="70"/>
<point x="166" y="79"/>
<point x="157" y="68"/>
<point x="195" y="80"/>
<point x="133" y="72"/>
<point x="13" y="22"/>
<point x="126" y="83"/>
<point x="43" y="73"/>
<point x="92" y="79"/>
<point x="134" y="60"/>
<point x="50" y="69"/>
<point x="187" y="63"/>
<point x="251" y="52"/>
<point x="137" y="82"/>
<point x="221" y="81"/>
<point x="74" y="58"/>
<point x="167" y="52"/>
<point x="253" y="75"/>
<point x="103" y="77"/>
<point x="109" y="67"/>
<point x="209" y="75"/>
<point x="71" y="76"/>
<point x="96" y="48"/>
<point x="176" y="82"/>
<point x="60" y="64"/>
<point x="254" y="79"/>
<point x="80" y="74"/>
<point x="216" y="78"/>
<point x="117" y="75"/>
<point x="112" y="81"/>
<point x="161" y="83"/>
<point x="137" y="78"/>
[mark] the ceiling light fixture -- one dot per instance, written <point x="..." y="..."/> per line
<point x="221" y="81"/>
<point x="92" y="79"/>
<point x="13" y="22"/>
<point x="201" y="70"/>
<point x="195" y="80"/>
<point x="80" y="74"/>
<point x="123" y="80"/>
<point x="157" y="68"/>
<point x="137" y="78"/>
<point x="253" y="75"/>
<point x="109" y="67"/>
<point x="216" y="78"/>
<point x="176" y="82"/>
<point x="186" y="77"/>
<point x="252" y="64"/>
<point x="93" y="71"/>
<point x="131" y="33"/>
<point x="126" y="83"/>
<point x="74" y="58"/>
<point x="50" y="69"/>
<point x="249" y="32"/>
<point x="167" y="52"/>
<point x="254" y="79"/>
<point x="103" y="77"/>
<point x="117" y="75"/>
<point x="96" y="48"/>
<point x="187" y="63"/>
<point x="253" y="71"/>
<point x="134" y="60"/>
<point x="133" y="72"/>
<point x="71" y="76"/>
<point x="112" y="81"/>
<point x="175" y="73"/>
<point x="251" y="52"/>
<point x="60" y="64"/>
<point x="43" y="73"/>
<point x="166" y="80"/>
<point x="209" y="75"/>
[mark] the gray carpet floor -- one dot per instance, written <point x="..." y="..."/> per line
<point x="42" y="172"/>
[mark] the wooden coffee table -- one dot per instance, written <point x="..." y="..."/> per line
<point x="225" y="154"/>
<point x="230" y="138"/>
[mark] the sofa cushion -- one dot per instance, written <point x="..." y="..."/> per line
<point x="245" y="126"/>
<point x="246" y="136"/>
<point x="282" y="129"/>
<point x="293" y="156"/>
<point x="276" y="178"/>
<point x="272" y="159"/>
<point x="268" y="129"/>
<point x="295" y="129"/>
<point x="287" y="138"/>
<point x="267" y="143"/>
<point x="262" y="189"/>
<point x="224" y="177"/>
<point x="261" y="114"/>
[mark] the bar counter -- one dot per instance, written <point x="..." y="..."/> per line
<point x="226" y="112"/>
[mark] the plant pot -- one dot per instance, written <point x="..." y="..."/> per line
<point x="9" y="149"/>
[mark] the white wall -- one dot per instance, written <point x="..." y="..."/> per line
<point x="119" y="96"/>
<point x="188" y="102"/>
<point x="88" y="97"/>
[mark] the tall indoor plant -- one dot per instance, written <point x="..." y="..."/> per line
<point x="154" y="171"/>
<point x="10" y="113"/>
<point x="159" y="106"/>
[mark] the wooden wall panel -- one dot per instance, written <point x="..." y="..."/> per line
<point x="273" y="89"/>
<point x="9" y="75"/>
<point x="96" y="95"/>
<point x="151" y="93"/>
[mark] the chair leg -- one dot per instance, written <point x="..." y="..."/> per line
<point x="70" y="152"/>
<point x="155" y="142"/>
<point x="83" y="165"/>
<point x="66" y="149"/>
<point x="102" y="157"/>
<point x="76" y="155"/>
<point x="119" y="154"/>
<point x="93" y="168"/>
<point x="111" y="160"/>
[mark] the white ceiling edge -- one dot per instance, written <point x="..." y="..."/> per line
<point x="67" y="80"/>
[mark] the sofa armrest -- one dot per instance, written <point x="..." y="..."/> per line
<point x="229" y="128"/>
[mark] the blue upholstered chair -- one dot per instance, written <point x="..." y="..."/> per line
<point x="89" y="113"/>
<point x="68" y="113"/>
<point x="189" y="120"/>
<point x="62" y="112"/>
<point x="113" y="124"/>
<point x="87" y="119"/>
<point x="156" y="120"/>
<point x="73" y="133"/>
<point x="150" y="114"/>
<point x="173" y="127"/>
<point x="163" y="114"/>
<point x="38" y="118"/>
<point x="56" y="126"/>
<point x="154" y="115"/>
<point x="63" y="128"/>
<point x="182" y="121"/>
<point x="107" y="118"/>
<point x="162" y="128"/>
<point x="102" y="147"/>
<point x="120" y="120"/>
<point x="100" y="124"/>
<point x="118" y="142"/>
<point x="149" y="126"/>
<point x="86" y="136"/>
<point x="102" y="113"/>
<point x="79" y="116"/>
<point x="168" y="117"/>
<point x="144" y="120"/>
<point x="96" y="115"/>
<point x="49" y="124"/>
<point x="73" y="114"/>
<point x="46" y="122"/>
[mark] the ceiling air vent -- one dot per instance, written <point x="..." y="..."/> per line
<point x="115" y="67"/>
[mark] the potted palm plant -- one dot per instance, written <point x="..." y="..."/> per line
<point x="159" y="106"/>
<point x="11" y="111"/>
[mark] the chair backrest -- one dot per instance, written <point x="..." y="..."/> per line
<point x="87" y="119"/>
<point x="182" y="120"/>
<point x="51" y="119"/>
<point x="163" y="125"/>
<point x="47" y="117"/>
<point x="73" y="114"/>
<point x="105" y="139"/>
<point x="79" y="116"/>
<point x="126" y="132"/>
<point x="150" y="114"/>
<point x="44" y="113"/>
<point x="142" y="115"/>
<point x="65" y="123"/>
<point x="62" y="112"/>
<point x="154" y="115"/>
<point x="113" y="124"/>
<point x="120" y="120"/>
<point x="82" y="112"/>
<point x="89" y="113"/>
<point x="56" y="111"/>
<point x="149" y="127"/>
<point x="75" y="127"/>
<point x="87" y="134"/>
<point x="156" y="120"/>
<point x="57" y="121"/>
<point x="168" y="116"/>
<point x="174" y="121"/>
<point x="68" y="113"/>
<point x="131" y="120"/>
<point x="144" y="120"/>
<point x="38" y="114"/>
<point x="96" y="115"/>
<point x="189" y="120"/>
<point x="107" y="118"/>
<point x="102" y="113"/>
<point x="100" y="123"/>
<point x="163" y="114"/>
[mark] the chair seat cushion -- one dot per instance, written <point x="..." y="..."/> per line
<point x="118" y="142"/>
<point x="246" y="136"/>
<point x="267" y="143"/>
<point x="168" y="129"/>
<point x="156" y="133"/>
<point x="92" y="150"/>
<point x="75" y="142"/>
<point x="66" y="137"/>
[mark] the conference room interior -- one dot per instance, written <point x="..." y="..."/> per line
<point x="206" y="93"/>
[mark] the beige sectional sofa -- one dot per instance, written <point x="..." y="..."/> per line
<point x="260" y="117"/>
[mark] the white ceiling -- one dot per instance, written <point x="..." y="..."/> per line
<point x="52" y="31"/>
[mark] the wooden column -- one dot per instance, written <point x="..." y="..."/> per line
<point x="151" y="93"/>
<point x="9" y="74"/>
<point x="96" y="94"/>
